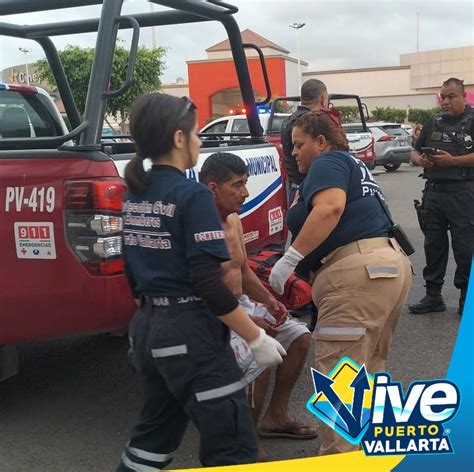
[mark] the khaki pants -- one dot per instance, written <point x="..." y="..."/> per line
<point x="359" y="299"/>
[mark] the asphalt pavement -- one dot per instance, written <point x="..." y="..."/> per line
<point x="71" y="406"/>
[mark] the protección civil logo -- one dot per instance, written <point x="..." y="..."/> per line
<point x="374" y="411"/>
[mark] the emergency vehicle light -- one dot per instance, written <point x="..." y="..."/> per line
<point x="113" y="267"/>
<point x="104" y="194"/>
<point x="18" y="88"/>
<point x="93" y="209"/>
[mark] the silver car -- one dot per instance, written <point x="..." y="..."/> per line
<point x="392" y="144"/>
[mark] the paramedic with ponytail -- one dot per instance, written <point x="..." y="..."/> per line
<point x="173" y="247"/>
<point x="361" y="275"/>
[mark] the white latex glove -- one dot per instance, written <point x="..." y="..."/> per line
<point x="266" y="351"/>
<point x="283" y="269"/>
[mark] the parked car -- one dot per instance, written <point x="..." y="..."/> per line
<point x="392" y="144"/>
<point x="361" y="143"/>
<point x="239" y="124"/>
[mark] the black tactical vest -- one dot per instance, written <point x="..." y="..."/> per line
<point x="455" y="137"/>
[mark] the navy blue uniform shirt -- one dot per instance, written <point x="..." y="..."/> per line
<point x="173" y="221"/>
<point x="363" y="216"/>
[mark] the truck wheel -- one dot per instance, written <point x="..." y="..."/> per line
<point x="391" y="167"/>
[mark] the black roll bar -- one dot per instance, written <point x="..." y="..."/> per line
<point x="183" y="11"/>
<point x="218" y="11"/>
<point x="12" y="7"/>
<point x="331" y="96"/>
<point x="91" y="25"/>
<point x="42" y="143"/>
<point x="132" y="57"/>
<point x="268" y="90"/>
<point x="61" y="81"/>
<point x="101" y="70"/>
<point x="343" y="96"/>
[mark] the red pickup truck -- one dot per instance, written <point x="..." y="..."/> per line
<point x="61" y="192"/>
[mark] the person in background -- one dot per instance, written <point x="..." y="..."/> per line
<point x="313" y="96"/>
<point x="448" y="197"/>
<point x="173" y="247"/>
<point x="415" y="134"/>
<point x="361" y="275"/>
<point x="226" y="175"/>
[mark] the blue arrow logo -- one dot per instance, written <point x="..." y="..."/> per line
<point x="360" y="384"/>
<point x="323" y="384"/>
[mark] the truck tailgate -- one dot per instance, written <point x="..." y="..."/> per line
<point x="45" y="289"/>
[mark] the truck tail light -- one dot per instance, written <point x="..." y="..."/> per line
<point x="93" y="223"/>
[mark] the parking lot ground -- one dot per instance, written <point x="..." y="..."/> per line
<point x="71" y="406"/>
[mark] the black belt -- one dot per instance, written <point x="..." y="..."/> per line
<point x="169" y="301"/>
<point x="447" y="187"/>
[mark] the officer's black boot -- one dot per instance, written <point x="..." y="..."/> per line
<point x="462" y="299"/>
<point x="431" y="302"/>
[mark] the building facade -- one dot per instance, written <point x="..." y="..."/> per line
<point x="414" y="83"/>
<point x="213" y="85"/>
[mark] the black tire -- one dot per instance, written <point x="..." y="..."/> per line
<point x="391" y="167"/>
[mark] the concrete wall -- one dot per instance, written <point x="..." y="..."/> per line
<point x="404" y="102"/>
<point x="177" y="90"/>
<point x="366" y="82"/>
<point x="291" y="72"/>
<point x="429" y="69"/>
<point x="414" y="83"/>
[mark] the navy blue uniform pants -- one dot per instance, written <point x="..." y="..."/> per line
<point x="187" y="370"/>
<point x="450" y="207"/>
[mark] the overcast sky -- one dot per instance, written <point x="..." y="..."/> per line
<point x="338" y="34"/>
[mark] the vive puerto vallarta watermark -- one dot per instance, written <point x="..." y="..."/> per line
<point x="374" y="411"/>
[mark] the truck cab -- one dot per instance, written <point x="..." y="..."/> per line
<point x="61" y="191"/>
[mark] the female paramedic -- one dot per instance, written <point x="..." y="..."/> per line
<point x="361" y="276"/>
<point x="173" y="247"/>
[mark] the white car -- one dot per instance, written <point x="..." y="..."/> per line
<point x="239" y="124"/>
<point x="361" y="143"/>
<point x="392" y="144"/>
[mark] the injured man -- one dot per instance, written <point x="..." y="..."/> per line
<point x="226" y="176"/>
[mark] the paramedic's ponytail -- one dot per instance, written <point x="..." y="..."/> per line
<point x="153" y="122"/>
<point x="135" y="175"/>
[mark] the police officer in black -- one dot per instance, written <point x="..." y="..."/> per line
<point x="314" y="96"/>
<point x="173" y="247"/>
<point x="448" y="200"/>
